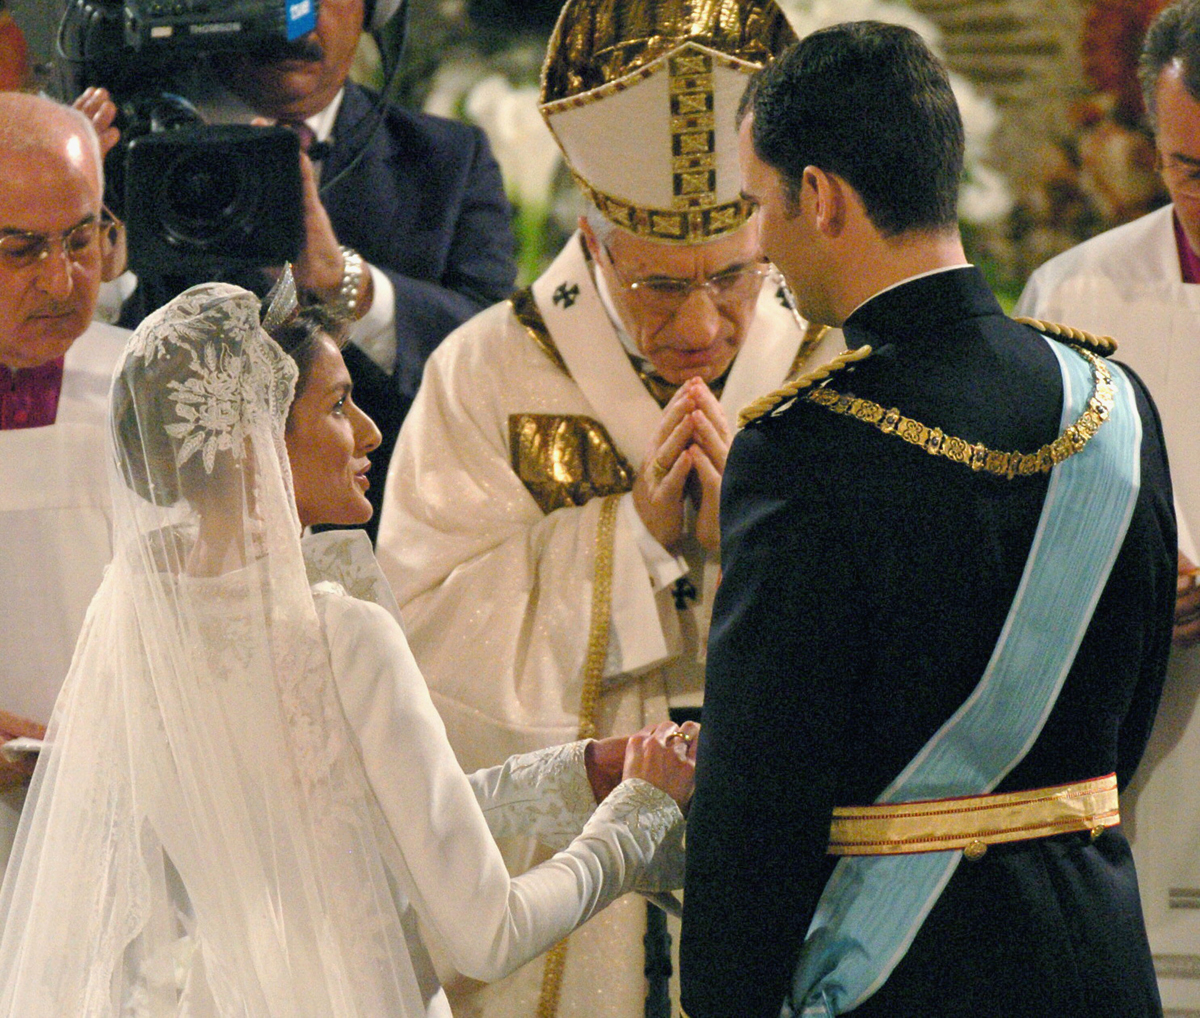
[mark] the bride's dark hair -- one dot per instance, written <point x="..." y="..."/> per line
<point x="300" y="335"/>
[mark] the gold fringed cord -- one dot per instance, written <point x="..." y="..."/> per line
<point x="589" y="703"/>
<point x="765" y="404"/>
<point x="1105" y="346"/>
<point x="556" y="961"/>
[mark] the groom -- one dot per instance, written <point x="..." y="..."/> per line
<point x="875" y="532"/>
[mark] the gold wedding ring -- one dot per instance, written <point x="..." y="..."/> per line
<point x="683" y="736"/>
<point x="658" y="471"/>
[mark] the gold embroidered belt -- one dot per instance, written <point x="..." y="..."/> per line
<point x="973" y="822"/>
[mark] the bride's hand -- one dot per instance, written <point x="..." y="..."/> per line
<point x="665" y="755"/>
<point x="605" y="762"/>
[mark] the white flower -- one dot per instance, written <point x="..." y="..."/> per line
<point x="985" y="197"/>
<point x="451" y="83"/>
<point x="521" y="141"/>
<point x="979" y="116"/>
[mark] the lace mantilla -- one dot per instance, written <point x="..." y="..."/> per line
<point x="234" y="372"/>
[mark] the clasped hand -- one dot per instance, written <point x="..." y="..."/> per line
<point x="663" y="754"/>
<point x="685" y="460"/>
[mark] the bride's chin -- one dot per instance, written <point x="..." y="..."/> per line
<point x="361" y="513"/>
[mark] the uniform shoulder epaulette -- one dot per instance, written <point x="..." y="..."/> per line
<point x="1102" y="346"/>
<point x="526" y="311"/>
<point x="790" y="390"/>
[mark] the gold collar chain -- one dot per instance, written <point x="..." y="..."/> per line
<point x="974" y="454"/>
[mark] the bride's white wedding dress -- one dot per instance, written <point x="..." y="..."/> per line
<point x="248" y="806"/>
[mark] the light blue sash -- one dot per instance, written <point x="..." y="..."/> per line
<point x="873" y="906"/>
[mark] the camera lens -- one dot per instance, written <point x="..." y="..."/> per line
<point x="204" y="198"/>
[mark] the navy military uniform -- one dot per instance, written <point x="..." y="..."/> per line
<point x="865" y="585"/>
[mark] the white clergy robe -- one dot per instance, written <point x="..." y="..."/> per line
<point x="1127" y="283"/>
<point x="496" y="589"/>
<point x="55" y="536"/>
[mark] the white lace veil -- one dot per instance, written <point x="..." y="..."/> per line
<point x="200" y="839"/>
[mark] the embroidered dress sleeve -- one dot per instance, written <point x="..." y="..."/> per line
<point x="451" y="869"/>
<point x="545" y="793"/>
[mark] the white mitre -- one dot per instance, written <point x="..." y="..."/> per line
<point x="642" y="98"/>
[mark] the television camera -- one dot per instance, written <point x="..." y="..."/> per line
<point x="197" y="199"/>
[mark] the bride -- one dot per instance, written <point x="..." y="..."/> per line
<point x="247" y="805"/>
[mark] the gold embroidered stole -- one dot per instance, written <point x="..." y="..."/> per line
<point x="562" y="459"/>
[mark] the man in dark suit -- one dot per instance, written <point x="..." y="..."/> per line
<point x="868" y="582"/>
<point x="412" y="239"/>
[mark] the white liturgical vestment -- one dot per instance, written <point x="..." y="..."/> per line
<point x="510" y="540"/>
<point x="1127" y="283"/>
<point x="55" y="536"/>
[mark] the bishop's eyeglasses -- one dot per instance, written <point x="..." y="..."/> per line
<point x="20" y="249"/>
<point x="665" y="294"/>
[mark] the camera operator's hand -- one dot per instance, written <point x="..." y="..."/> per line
<point x="97" y="105"/>
<point x="320" y="265"/>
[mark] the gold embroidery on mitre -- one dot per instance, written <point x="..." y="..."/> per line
<point x="566" y="460"/>
<point x="690" y="145"/>
<point x="692" y="227"/>
<point x="597" y="43"/>
<point x="690" y="84"/>
<point x="601" y="48"/>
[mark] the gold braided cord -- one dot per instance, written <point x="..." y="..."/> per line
<point x="552" y="975"/>
<point x="974" y="454"/>
<point x="589" y="705"/>
<point x="597" y="649"/>
<point x="1105" y="346"/>
<point x="765" y="404"/>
